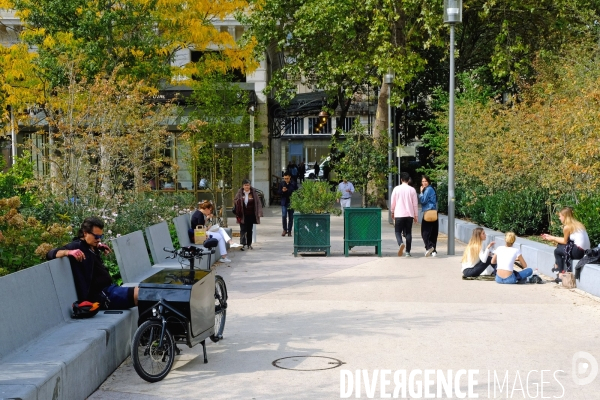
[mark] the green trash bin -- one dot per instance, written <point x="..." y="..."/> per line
<point x="312" y="233"/>
<point x="362" y="227"/>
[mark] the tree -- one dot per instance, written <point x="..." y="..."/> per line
<point x="339" y="46"/>
<point x="364" y="162"/>
<point x="137" y="37"/>
<point x="105" y="138"/>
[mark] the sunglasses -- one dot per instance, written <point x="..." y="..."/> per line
<point x="97" y="237"/>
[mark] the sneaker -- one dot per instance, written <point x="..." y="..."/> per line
<point x="428" y="252"/>
<point x="407" y="254"/>
<point x="401" y="250"/>
<point x="235" y="245"/>
<point x="434" y="254"/>
<point x="224" y="260"/>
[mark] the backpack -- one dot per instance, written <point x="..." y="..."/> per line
<point x="84" y="309"/>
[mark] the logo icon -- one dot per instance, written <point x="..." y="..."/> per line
<point x="584" y="369"/>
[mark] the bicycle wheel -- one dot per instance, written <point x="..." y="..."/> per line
<point x="220" y="308"/>
<point x="151" y="360"/>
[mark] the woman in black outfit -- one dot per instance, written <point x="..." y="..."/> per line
<point x="248" y="210"/>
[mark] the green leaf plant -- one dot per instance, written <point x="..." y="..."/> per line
<point x="315" y="197"/>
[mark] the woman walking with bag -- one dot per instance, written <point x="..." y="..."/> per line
<point x="248" y="210"/>
<point x="429" y="225"/>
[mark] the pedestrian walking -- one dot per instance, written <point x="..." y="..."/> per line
<point x="430" y="223"/>
<point x="286" y="188"/>
<point x="404" y="212"/>
<point x="248" y="210"/>
<point x="346" y="189"/>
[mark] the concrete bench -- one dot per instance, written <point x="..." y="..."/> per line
<point x="183" y="225"/>
<point x="44" y="354"/>
<point x="132" y="258"/>
<point x="159" y="237"/>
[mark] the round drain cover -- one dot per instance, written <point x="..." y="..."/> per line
<point x="307" y="363"/>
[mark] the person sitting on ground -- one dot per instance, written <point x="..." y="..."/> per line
<point x="505" y="257"/>
<point x="92" y="280"/>
<point x="202" y="217"/>
<point x="572" y="245"/>
<point x="476" y="260"/>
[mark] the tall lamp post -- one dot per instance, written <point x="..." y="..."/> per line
<point x="389" y="80"/>
<point x="452" y="16"/>
<point x="251" y="110"/>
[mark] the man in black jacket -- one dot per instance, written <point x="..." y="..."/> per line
<point x="92" y="280"/>
<point x="286" y="188"/>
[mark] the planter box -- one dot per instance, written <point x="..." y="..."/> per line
<point x="311" y="233"/>
<point x="362" y="227"/>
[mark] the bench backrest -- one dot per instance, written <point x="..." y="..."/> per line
<point x="132" y="256"/>
<point x="60" y="269"/>
<point x="182" y="226"/>
<point x="30" y="307"/>
<point x="158" y="238"/>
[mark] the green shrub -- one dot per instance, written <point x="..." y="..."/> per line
<point x="315" y="198"/>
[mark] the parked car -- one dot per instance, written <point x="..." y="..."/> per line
<point x="310" y="174"/>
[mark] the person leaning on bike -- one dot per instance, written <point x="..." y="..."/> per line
<point x="92" y="280"/>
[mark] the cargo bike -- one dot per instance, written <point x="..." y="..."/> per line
<point x="177" y="306"/>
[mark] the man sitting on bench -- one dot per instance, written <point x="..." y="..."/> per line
<point x="92" y="280"/>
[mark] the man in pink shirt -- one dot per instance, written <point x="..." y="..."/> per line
<point x="404" y="211"/>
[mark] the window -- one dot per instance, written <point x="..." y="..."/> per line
<point x="348" y="123"/>
<point x="315" y="127"/>
<point x="294" y="126"/>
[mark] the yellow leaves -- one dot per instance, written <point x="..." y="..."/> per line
<point x="49" y="42"/>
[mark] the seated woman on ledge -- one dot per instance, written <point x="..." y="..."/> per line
<point x="505" y="257"/>
<point x="476" y="260"/>
<point x="572" y="245"/>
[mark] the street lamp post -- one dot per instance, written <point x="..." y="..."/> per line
<point x="452" y="16"/>
<point x="251" y="111"/>
<point x="389" y="79"/>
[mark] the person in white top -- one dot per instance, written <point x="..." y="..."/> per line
<point x="505" y="257"/>
<point x="404" y="212"/>
<point x="572" y="244"/>
<point x="476" y="259"/>
<point x="346" y="189"/>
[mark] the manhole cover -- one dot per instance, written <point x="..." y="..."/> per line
<point x="307" y="363"/>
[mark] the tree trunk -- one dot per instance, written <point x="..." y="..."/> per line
<point x="381" y="116"/>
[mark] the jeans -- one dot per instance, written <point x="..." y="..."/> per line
<point x="559" y="256"/>
<point x="403" y="225"/>
<point x="287" y="218"/>
<point x="429" y="233"/>
<point x="513" y="278"/>
<point x="478" y="268"/>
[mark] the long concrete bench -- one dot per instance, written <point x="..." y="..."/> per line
<point x="133" y="259"/>
<point x="539" y="256"/>
<point x="44" y="354"/>
<point x="159" y="237"/>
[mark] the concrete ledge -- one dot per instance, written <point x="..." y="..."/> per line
<point x="589" y="281"/>
<point x="537" y="255"/>
<point x="132" y="257"/>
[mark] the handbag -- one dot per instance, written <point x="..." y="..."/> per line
<point x="568" y="280"/>
<point x="199" y="234"/>
<point x="430" y="215"/>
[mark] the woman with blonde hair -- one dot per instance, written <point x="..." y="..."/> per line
<point x="477" y="260"/>
<point x="505" y="257"/>
<point x="572" y="244"/>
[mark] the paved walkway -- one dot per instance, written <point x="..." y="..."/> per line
<point x="377" y="314"/>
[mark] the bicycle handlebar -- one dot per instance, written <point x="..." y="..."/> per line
<point x="189" y="252"/>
